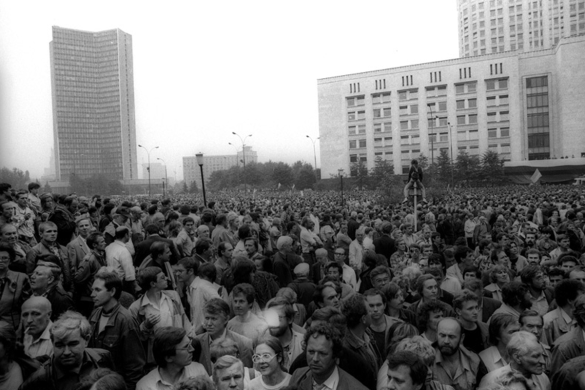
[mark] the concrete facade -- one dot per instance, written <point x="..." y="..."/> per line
<point x="489" y="102"/>
<point x="93" y="104"/>
<point x="493" y="26"/>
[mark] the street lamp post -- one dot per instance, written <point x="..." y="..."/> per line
<point x="341" y="182"/>
<point x="451" y="147"/>
<point x="243" y="154"/>
<point x="148" y="169"/>
<point x="314" y="153"/>
<point x="237" y="159"/>
<point x="166" y="178"/>
<point x="199" y="157"/>
<point x="432" y="135"/>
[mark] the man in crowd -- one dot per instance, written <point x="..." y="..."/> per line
<point x="285" y="260"/>
<point x="36" y="320"/>
<point x="200" y="291"/>
<point x="77" y="249"/>
<point x="571" y="344"/>
<point x="301" y="285"/>
<point x="119" y="258"/>
<point x="281" y="310"/>
<point x="44" y="282"/>
<point x="533" y="277"/>
<point x="25" y="218"/>
<point x="516" y="299"/>
<point x="476" y="334"/>
<point x="72" y="361"/>
<point x="228" y="373"/>
<point x="561" y="320"/>
<point x="245" y="322"/>
<point x="406" y="371"/>
<point x="356" y="250"/>
<point x="114" y="329"/>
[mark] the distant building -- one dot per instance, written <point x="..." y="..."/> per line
<point x="192" y="172"/>
<point x="93" y="104"/>
<point x="49" y="173"/>
<point x="522" y="105"/>
<point x="493" y="26"/>
<point x="157" y="171"/>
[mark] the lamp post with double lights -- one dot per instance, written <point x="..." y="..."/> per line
<point x="148" y="169"/>
<point x="237" y="159"/>
<point x="314" y="152"/>
<point x="166" y="178"/>
<point x="199" y="157"/>
<point x="243" y="154"/>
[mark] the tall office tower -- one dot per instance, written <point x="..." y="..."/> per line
<point x="93" y="104"/>
<point x="492" y="26"/>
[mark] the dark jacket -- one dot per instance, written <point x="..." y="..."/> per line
<point x="488" y="307"/>
<point x="283" y="269"/>
<point x="42" y="249"/>
<point x="567" y="347"/>
<point x="16" y="290"/>
<point x="66" y="225"/>
<point x="60" y="301"/>
<point x="142" y="250"/>
<point x="385" y="245"/>
<point x="566" y="377"/>
<point x="304" y="290"/>
<point x="244" y="344"/>
<point x="303" y="378"/>
<point x="120" y="337"/>
<point x="44" y="377"/>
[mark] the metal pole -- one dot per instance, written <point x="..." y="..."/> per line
<point x="203" y="186"/>
<point x="166" y="178"/>
<point x="314" y="152"/>
<point x="432" y="135"/>
<point x="148" y="169"/>
<point x="243" y="155"/>
<point x="451" y="147"/>
<point x="341" y="180"/>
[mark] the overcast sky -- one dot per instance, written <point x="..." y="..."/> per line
<point x="203" y="69"/>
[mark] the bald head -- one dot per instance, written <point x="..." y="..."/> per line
<point x="450" y="324"/>
<point x="36" y="314"/>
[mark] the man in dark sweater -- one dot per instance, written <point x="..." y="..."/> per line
<point x="415" y="175"/>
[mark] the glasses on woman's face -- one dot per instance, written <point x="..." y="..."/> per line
<point x="264" y="357"/>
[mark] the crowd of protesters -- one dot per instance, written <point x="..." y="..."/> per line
<point x="479" y="289"/>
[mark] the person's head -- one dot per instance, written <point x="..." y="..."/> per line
<point x="7" y="255"/>
<point x="502" y="327"/>
<point x="160" y="251"/>
<point x="96" y="241"/>
<point x="533" y="256"/>
<point x="70" y="334"/>
<point x="531" y="321"/>
<point x="207" y="272"/>
<point x="567" y="262"/>
<point x="8" y="233"/>
<point x="471" y="273"/>
<point x="225" y="250"/>
<point x="500" y="257"/>
<point x="48" y="232"/>
<point x="228" y="373"/>
<point x="285" y="244"/>
<point x="215" y="316"/>
<point x="533" y="277"/>
<point x="406" y="371"/>
<point x="323" y="345"/>
<point x="152" y="278"/>
<point x="427" y="287"/>
<point x="567" y="291"/>
<point x="326" y="295"/>
<point x="577" y="273"/>
<point x="268" y="356"/>
<point x="376" y="303"/>
<point x="199" y="382"/>
<point x="429" y="314"/>
<point x="380" y="276"/>
<point x="251" y="246"/>
<point x="360" y="234"/>
<point x="106" y="287"/>
<point x="499" y="274"/>
<point x="280" y="316"/>
<point x="449" y="336"/>
<point x="44" y="277"/>
<point x="172" y="347"/>
<point x="355" y="311"/>
<point x="186" y="269"/>
<point x="244" y="270"/>
<point x="334" y="270"/>
<point x="464" y="256"/>
<point x="555" y="276"/>
<point x="564" y="241"/>
<point x="516" y="295"/>
<point x="35" y="315"/>
<point x="122" y="234"/>
<point x="526" y="354"/>
<point x="394" y="296"/>
<point x="204" y="247"/>
<point x="466" y="306"/>
<point x="243" y="298"/>
<point x="402" y="330"/>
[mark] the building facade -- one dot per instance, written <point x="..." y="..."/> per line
<point x="93" y="104"/>
<point x="522" y="105"/>
<point x="157" y="171"/>
<point x="492" y="26"/>
<point x="192" y="172"/>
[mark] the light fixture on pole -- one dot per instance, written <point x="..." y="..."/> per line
<point x="243" y="154"/>
<point x="166" y="177"/>
<point x="432" y="135"/>
<point x="199" y="157"/>
<point x="148" y="169"/>
<point x="341" y="181"/>
<point x="314" y="153"/>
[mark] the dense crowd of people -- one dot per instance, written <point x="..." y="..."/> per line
<point x="479" y="289"/>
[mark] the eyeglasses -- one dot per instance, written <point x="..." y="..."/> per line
<point x="265" y="357"/>
<point x="187" y="348"/>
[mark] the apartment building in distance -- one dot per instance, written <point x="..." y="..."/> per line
<point x="93" y="104"/>
<point x="493" y="26"/>
<point x="192" y="171"/>
<point x="522" y="105"/>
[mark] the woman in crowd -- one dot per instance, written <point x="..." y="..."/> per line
<point x="269" y="361"/>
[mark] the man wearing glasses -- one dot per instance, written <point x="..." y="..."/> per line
<point x="173" y="353"/>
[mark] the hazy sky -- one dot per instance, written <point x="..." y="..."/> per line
<point x="205" y="69"/>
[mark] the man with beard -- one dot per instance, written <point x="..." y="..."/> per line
<point x="173" y="353"/>
<point x="454" y="364"/>
<point x="215" y="318"/>
<point x="533" y="277"/>
<point x="526" y="357"/>
<point x="72" y="361"/>
<point x="515" y="299"/>
<point x="280" y="317"/>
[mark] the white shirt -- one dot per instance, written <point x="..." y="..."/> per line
<point x="349" y="276"/>
<point x="199" y="293"/>
<point x="43" y="346"/>
<point x="258" y="383"/>
<point x="153" y="380"/>
<point x="331" y="382"/>
<point x="119" y="258"/>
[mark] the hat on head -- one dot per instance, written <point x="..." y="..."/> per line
<point x="81" y="217"/>
<point x="121" y="211"/>
<point x="136" y="209"/>
<point x="301" y="269"/>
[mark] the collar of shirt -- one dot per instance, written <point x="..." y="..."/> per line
<point x="146" y="302"/>
<point x="46" y="335"/>
<point x="566" y="317"/>
<point x="59" y="373"/>
<point x="354" y="341"/>
<point x="330" y="383"/>
<point x="463" y="358"/>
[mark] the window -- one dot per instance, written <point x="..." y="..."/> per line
<point x="377" y="142"/>
<point x="377" y="113"/>
<point x="352" y="144"/>
<point x="491" y="101"/>
<point x="505" y="132"/>
<point x="462" y="136"/>
<point x="491" y="116"/>
<point x="460" y="104"/>
<point x="404" y="140"/>
<point x="377" y="127"/>
<point x="490" y="85"/>
<point x="472" y="119"/>
<point x="414" y="109"/>
<point x="361" y="115"/>
<point x="472" y="103"/>
<point x="351" y="116"/>
<point x="386" y="112"/>
<point x="378" y="98"/>
<point x="471" y="87"/>
<point x="387" y="126"/>
<point x="403" y="110"/>
<point x="442" y="106"/>
<point x="443" y="121"/>
<point x="473" y="135"/>
<point x="355" y="101"/>
<point x="504" y="100"/>
<point x="403" y="125"/>
<point x="442" y="91"/>
<point x="492" y="133"/>
<point x="414" y="124"/>
<point x="504" y="116"/>
<point x="402" y="95"/>
<point x="461" y="120"/>
<point x="460" y="88"/>
<point x="352" y="130"/>
<point x="503" y="83"/>
<point x="362" y="143"/>
<point x="362" y="129"/>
